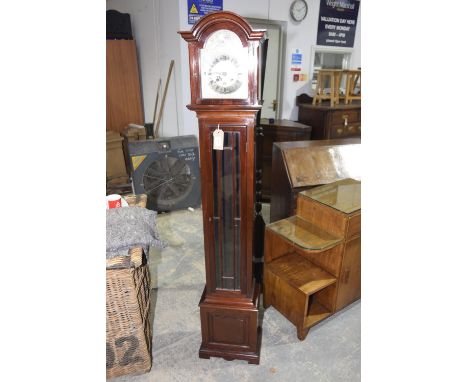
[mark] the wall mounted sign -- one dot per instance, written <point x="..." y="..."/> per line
<point x="296" y="60"/>
<point x="199" y="8"/>
<point x="337" y="22"/>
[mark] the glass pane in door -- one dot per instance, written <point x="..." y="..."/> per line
<point x="226" y="212"/>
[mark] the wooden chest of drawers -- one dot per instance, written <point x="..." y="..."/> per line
<point x="340" y="121"/>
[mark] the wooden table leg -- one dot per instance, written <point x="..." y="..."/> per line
<point x="302" y="333"/>
<point x="337" y="87"/>
<point x="317" y="89"/>
<point x="347" y="90"/>
<point x="339" y="78"/>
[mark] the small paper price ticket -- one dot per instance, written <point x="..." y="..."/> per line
<point x="218" y="139"/>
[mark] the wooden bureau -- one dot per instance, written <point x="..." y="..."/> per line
<point x="313" y="259"/>
<point x="306" y="164"/>
<point x="339" y="121"/>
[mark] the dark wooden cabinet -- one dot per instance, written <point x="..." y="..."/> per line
<point x="281" y="130"/>
<point x="339" y="121"/>
<point x="301" y="165"/>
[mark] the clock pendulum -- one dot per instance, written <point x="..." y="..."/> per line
<point x="224" y="81"/>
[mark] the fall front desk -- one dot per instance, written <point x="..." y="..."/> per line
<point x="302" y="165"/>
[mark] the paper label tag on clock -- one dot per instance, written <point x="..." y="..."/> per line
<point x="218" y="139"/>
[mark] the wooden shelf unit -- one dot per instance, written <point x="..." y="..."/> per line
<point x="313" y="260"/>
<point x="303" y="233"/>
<point x="315" y="313"/>
<point x="301" y="274"/>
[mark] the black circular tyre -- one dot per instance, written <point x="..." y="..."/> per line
<point x="168" y="181"/>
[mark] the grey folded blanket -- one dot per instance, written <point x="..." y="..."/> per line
<point x="130" y="227"/>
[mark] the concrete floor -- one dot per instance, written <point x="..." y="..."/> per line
<point x="330" y="353"/>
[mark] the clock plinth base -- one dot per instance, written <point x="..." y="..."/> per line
<point x="230" y="329"/>
<point x="252" y="358"/>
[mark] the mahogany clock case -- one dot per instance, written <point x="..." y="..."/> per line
<point x="229" y="306"/>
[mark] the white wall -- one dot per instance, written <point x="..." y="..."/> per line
<point x="173" y="123"/>
<point x="169" y="16"/>
<point x="155" y="25"/>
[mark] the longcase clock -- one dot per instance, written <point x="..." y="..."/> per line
<point x="224" y="76"/>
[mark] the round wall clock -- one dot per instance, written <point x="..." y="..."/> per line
<point x="298" y="10"/>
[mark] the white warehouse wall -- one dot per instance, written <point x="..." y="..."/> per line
<point x="158" y="42"/>
<point x="155" y="25"/>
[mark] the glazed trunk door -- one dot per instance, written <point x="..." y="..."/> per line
<point x="227" y="210"/>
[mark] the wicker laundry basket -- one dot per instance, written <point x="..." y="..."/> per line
<point x="128" y="329"/>
<point x="138" y="200"/>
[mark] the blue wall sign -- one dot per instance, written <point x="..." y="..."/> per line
<point x="296" y="60"/>
<point x="198" y="8"/>
<point x="337" y="22"/>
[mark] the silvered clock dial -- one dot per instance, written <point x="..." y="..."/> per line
<point x="225" y="74"/>
<point x="224" y="67"/>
